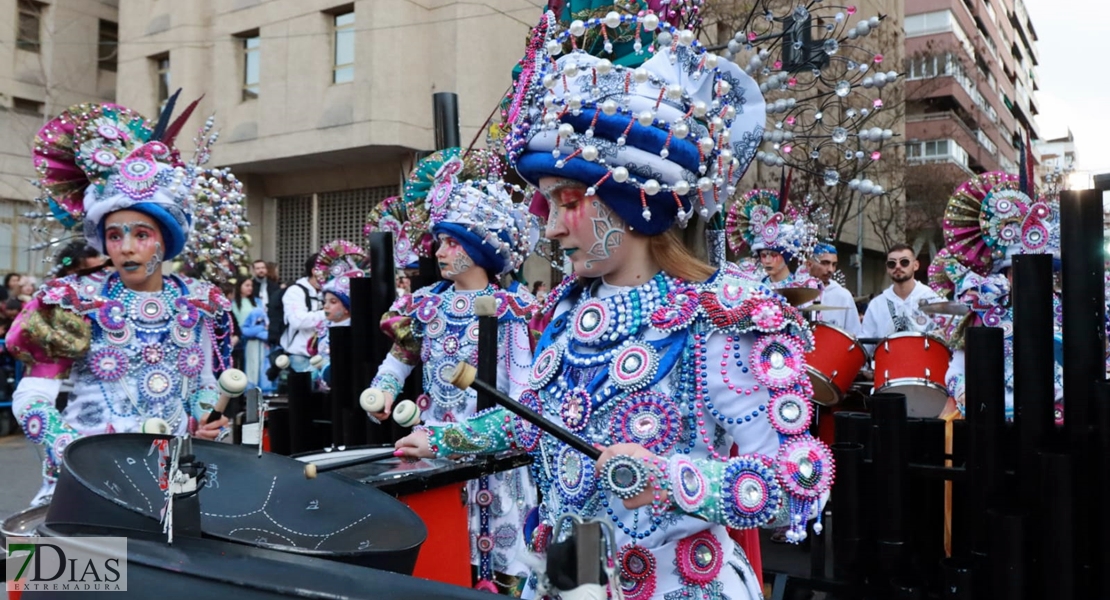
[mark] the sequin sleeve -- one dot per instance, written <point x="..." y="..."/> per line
<point x="406" y="346"/>
<point x="487" y="432"/>
<point x="42" y="423"/>
<point x="48" y="339"/>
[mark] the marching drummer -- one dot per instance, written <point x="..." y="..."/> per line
<point x="141" y="348"/>
<point x="481" y="236"/>
<point x="897" y="309"/>
<point x="822" y="264"/>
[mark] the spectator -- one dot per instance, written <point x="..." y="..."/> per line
<point x="250" y="315"/>
<point x="8" y="312"/>
<point x="404" y="284"/>
<point x="263" y="288"/>
<point x="11" y="285"/>
<point x="539" y="290"/>
<point x="273" y="308"/>
<point x="302" y="311"/>
<point x="27" y="286"/>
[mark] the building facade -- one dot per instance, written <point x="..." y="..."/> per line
<point x="970" y="95"/>
<point x="323" y="105"/>
<point x="53" y="54"/>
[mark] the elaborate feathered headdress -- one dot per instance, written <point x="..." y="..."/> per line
<point x="759" y="221"/>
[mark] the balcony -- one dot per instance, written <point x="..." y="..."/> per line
<point x="982" y="152"/>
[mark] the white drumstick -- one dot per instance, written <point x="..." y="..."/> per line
<point x="372" y="400"/>
<point x="156" y="426"/>
<point x="282" y="362"/>
<point x="406" y="413"/>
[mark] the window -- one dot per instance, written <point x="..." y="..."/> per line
<point x="24" y="106"/>
<point x="108" y="45"/>
<point x="162" y="79"/>
<point x="251" y="64"/>
<point x="30" y="24"/>
<point x="344" y="69"/>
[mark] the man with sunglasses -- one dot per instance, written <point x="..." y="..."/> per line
<point x="822" y="264"/>
<point x="897" y="309"/>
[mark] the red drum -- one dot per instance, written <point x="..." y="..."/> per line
<point x="914" y="364"/>
<point x="834" y="363"/>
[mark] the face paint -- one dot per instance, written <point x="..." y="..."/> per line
<point x="608" y="232"/>
<point x="452" y="257"/>
<point x="155" y="259"/>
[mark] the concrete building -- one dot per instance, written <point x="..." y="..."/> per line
<point x="1058" y="154"/>
<point x="323" y="105"/>
<point x="53" y="54"/>
<point x="971" y="66"/>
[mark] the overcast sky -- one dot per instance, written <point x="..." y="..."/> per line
<point x="1074" y="75"/>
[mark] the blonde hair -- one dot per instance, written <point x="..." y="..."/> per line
<point x="676" y="260"/>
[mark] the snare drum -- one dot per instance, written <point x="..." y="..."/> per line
<point x="914" y="364"/>
<point x="834" y="363"/>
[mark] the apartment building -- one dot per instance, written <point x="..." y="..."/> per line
<point x="323" y="105"/>
<point x="971" y="104"/>
<point x="53" y="54"/>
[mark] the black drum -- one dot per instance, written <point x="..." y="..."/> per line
<point x="266" y="502"/>
<point x="22" y="524"/>
<point x="195" y="568"/>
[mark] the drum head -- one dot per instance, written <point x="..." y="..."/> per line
<point x="261" y="501"/>
<point x="824" y="392"/>
<point x="924" y="399"/>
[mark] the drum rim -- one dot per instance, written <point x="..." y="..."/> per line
<point x="30" y="511"/>
<point x="840" y="330"/>
<point x="826" y="382"/>
<point x="918" y="381"/>
<point x="909" y="334"/>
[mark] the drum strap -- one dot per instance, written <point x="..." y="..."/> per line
<point x="901" y="323"/>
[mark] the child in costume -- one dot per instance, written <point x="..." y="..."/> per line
<point x="481" y="236"/>
<point x="135" y="344"/>
<point x="652" y="355"/>
<point x="336" y="264"/>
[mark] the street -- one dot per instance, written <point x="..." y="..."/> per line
<point x="22" y="473"/>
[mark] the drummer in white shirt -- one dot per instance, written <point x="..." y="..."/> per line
<point x="897" y="309"/>
<point x="822" y="264"/>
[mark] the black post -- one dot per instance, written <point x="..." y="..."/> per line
<point x="957" y="579"/>
<point x="341" y="367"/>
<point x="1033" y="377"/>
<point x="854" y="427"/>
<point x="300" y="413"/>
<point x="1056" y="575"/>
<point x="487" y="350"/>
<point x="926" y="497"/>
<point x="378" y="294"/>
<point x="847" y="495"/>
<point x="1006" y="552"/>
<point x="446" y="107"/>
<point x="1100" y="412"/>
<point x="985" y="406"/>
<point x="1084" y="307"/>
<point x="889" y="465"/>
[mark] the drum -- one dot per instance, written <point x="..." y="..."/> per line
<point x="914" y="364"/>
<point x="834" y="363"/>
<point x="266" y="502"/>
<point x="22" y="524"/>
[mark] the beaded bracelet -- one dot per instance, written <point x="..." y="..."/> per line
<point x="388" y="382"/>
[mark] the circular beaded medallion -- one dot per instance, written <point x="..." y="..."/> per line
<point x="112" y="316"/>
<point x="151" y="310"/>
<point x="108" y="363"/>
<point x="472" y="333"/>
<point x="182" y="337"/>
<point x="649" y="419"/>
<point x="575" y="409"/>
<point x="778" y="360"/>
<point x="190" y="361"/>
<point x="484" y="497"/>
<point x="527" y="434"/>
<point x="688" y="486"/>
<point x="121" y="337"/>
<point x="485" y="543"/>
<point x="575" y="480"/>
<point x="805" y="467"/>
<point x="460" y="305"/>
<point x="634" y="366"/>
<point x="34" y="424"/>
<point x="157" y="383"/>
<point x="546" y="365"/>
<point x="750" y="493"/>
<point x="152" y="354"/>
<point x="637" y="572"/>
<point x="790" y="413"/>
<point x="699" y="558"/>
<point x="592" y="321"/>
<point x="450" y="345"/>
<point x="435" y="326"/>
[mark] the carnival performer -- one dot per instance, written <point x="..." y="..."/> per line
<point x="481" y="236"/>
<point x="822" y="265"/>
<point x="336" y="264"/>
<point x="988" y="220"/>
<point x="776" y="234"/>
<point x="651" y="354"/>
<point x="897" y="309"/>
<point x="135" y="345"/>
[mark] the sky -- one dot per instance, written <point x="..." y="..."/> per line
<point x="1074" y="77"/>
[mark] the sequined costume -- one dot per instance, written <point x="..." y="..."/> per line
<point x="436" y="327"/>
<point x="685" y="371"/>
<point x="148" y="354"/>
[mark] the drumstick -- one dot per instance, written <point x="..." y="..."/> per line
<point x="465" y="375"/>
<point x="232" y="384"/>
<point x="311" y="469"/>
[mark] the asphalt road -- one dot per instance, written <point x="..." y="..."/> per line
<point x="20" y="473"/>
